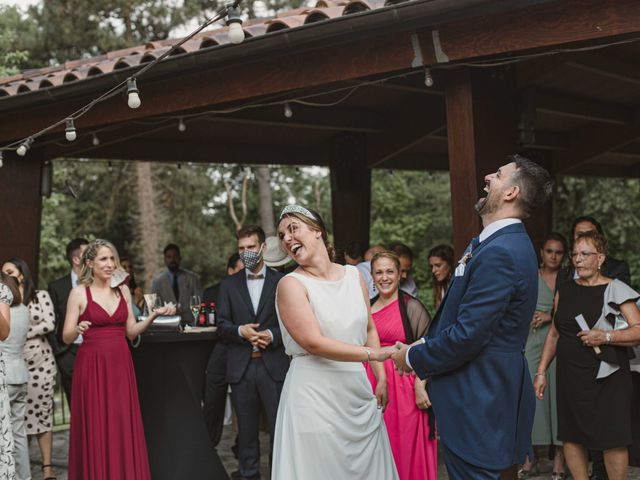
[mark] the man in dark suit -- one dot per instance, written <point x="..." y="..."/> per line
<point x="59" y="291"/>
<point x="215" y="394"/>
<point x="473" y="356"/>
<point x="256" y="361"/>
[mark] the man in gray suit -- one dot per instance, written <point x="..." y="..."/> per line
<point x="176" y="284"/>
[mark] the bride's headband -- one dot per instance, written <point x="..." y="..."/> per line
<point x="297" y="209"/>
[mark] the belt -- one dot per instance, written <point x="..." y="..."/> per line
<point x="257" y="354"/>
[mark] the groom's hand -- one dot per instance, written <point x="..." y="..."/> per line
<point x="399" y="358"/>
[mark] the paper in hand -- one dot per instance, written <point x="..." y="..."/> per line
<point x="118" y="277"/>
<point x="582" y="323"/>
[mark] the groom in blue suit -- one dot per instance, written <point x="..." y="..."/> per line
<point x="473" y="355"/>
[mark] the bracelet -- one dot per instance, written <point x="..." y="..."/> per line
<point x="607" y="338"/>
<point x="368" y="350"/>
<point x="540" y="374"/>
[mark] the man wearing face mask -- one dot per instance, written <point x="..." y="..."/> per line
<point x="256" y="361"/>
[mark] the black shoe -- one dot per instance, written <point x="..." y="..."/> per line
<point x="235" y="475"/>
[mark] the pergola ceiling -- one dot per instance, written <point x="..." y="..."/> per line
<point x="580" y="109"/>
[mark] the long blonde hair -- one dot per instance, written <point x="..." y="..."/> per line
<point x="86" y="274"/>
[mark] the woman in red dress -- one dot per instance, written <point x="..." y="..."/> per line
<point x="106" y="440"/>
<point x="410" y="423"/>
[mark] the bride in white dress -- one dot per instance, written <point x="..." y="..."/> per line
<point x="329" y="423"/>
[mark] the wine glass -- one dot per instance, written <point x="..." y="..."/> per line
<point x="194" y="306"/>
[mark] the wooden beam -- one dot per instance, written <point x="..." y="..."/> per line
<point x="537" y="70"/>
<point x="20" y="210"/>
<point x="350" y="189"/>
<point x="408" y="129"/>
<point x="203" y="152"/>
<point x="608" y="67"/>
<point x="592" y="141"/>
<point x="581" y="108"/>
<point x="537" y="28"/>
<point x="417" y="162"/>
<point x="307" y="117"/>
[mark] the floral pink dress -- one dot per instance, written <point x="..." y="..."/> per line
<point x="414" y="452"/>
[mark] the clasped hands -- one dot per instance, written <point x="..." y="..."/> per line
<point x="397" y="353"/>
<point x="259" y="339"/>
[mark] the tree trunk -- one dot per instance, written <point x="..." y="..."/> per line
<point x="149" y="232"/>
<point x="263" y="175"/>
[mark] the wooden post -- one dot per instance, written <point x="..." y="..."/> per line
<point x="482" y="130"/>
<point x="350" y="189"/>
<point x="20" y="208"/>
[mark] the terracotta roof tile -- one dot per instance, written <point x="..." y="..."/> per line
<point x="84" y="68"/>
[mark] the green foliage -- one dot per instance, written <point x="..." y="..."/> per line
<point x="413" y="208"/>
<point x="12" y="28"/>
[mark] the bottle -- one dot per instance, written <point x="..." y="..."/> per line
<point x="202" y="315"/>
<point x="212" y="315"/>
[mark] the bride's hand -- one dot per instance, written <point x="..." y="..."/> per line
<point x="381" y="354"/>
<point x="382" y="395"/>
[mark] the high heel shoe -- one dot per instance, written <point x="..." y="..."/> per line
<point x="558" y="476"/>
<point x="51" y="467"/>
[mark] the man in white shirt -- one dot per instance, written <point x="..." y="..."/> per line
<point x="473" y="356"/>
<point x="256" y="360"/>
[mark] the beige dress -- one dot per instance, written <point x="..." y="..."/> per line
<point x="328" y="424"/>
<point x="41" y="363"/>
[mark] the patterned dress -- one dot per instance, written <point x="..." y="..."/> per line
<point x="7" y="465"/>
<point x="41" y="363"/>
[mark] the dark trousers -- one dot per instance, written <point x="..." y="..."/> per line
<point x="65" y="361"/>
<point x="458" y="469"/>
<point x="256" y="387"/>
<point x="215" y="393"/>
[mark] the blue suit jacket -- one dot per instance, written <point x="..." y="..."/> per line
<point x="479" y="383"/>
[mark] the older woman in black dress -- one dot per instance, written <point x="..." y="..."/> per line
<point x="593" y="389"/>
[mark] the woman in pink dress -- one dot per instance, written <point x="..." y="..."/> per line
<point x="409" y="420"/>
<point x="106" y="441"/>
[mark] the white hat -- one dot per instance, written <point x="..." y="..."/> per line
<point x="274" y="255"/>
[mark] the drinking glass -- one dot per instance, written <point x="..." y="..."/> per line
<point x="194" y="306"/>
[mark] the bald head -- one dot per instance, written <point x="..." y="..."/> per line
<point x="368" y="255"/>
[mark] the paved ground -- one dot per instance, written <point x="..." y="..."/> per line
<point x="61" y="439"/>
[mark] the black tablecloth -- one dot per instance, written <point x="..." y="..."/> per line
<point x="170" y="372"/>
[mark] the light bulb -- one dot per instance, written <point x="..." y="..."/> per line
<point x="70" y="131"/>
<point x="236" y="34"/>
<point x="1" y="158"/>
<point x="181" y="125"/>
<point x="428" y="79"/>
<point x="22" y="150"/>
<point x="95" y="140"/>
<point x="287" y="110"/>
<point x="133" y="99"/>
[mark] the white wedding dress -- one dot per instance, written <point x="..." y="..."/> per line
<point x="328" y="424"/>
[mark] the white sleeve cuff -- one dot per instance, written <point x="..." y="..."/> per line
<point x="406" y="358"/>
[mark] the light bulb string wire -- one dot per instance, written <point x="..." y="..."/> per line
<point x="220" y="14"/>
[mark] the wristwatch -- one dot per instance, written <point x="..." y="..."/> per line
<point x="607" y="338"/>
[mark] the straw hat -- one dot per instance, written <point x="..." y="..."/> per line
<point x="274" y="255"/>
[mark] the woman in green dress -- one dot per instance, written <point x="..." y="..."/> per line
<point x="545" y="426"/>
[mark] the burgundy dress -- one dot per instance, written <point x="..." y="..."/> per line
<point x="106" y="441"/>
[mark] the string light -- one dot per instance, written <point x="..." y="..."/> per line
<point x="181" y="125"/>
<point x="428" y="79"/>
<point x="236" y="34"/>
<point x="95" y="140"/>
<point x="70" y="131"/>
<point x="22" y="149"/>
<point x="133" y="97"/>
<point x="287" y="110"/>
